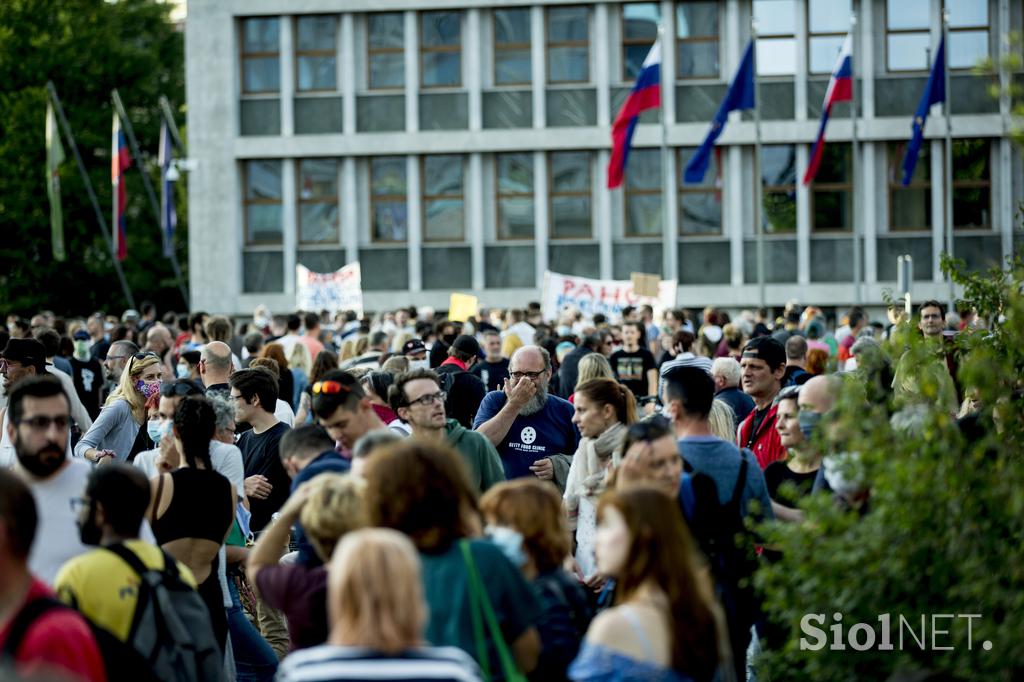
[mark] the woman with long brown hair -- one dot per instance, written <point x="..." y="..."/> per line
<point x="663" y="625"/>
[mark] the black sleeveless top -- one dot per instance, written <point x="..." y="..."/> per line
<point x="201" y="508"/>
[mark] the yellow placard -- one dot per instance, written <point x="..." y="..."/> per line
<point x="461" y="307"/>
<point x="644" y="284"/>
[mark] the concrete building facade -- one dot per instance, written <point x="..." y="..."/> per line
<point x="456" y="145"/>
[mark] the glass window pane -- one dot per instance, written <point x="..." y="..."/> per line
<point x="317" y="73"/>
<point x="512" y="66"/>
<point x="778" y="164"/>
<point x="922" y="170"/>
<point x="775" y="17"/>
<point x="443" y="220"/>
<point x="515" y="173"/>
<point x="697" y="19"/>
<point x="387" y="70"/>
<point x="970" y="160"/>
<point x="779" y="213"/>
<point x="568" y="24"/>
<point x="643" y="215"/>
<point x="441" y="69"/>
<point x="967" y="48"/>
<point x="908" y="51"/>
<point x="387" y="30"/>
<point x="643" y="169"/>
<point x="712" y="178"/>
<point x="700" y="212"/>
<point x="971" y="207"/>
<point x="570" y="172"/>
<point x="264" y="223"/>
<point x="967" y="13"/>
<point x="907" y="14"/>
<point x="698" y="60"/>
<point x="823" y="52"/>
<point x="387" y="176"/>
<point x="263" y="180"/>
<point x="829" y="16"/>
<point x="831" y="210"/>
<point x="317" y="33"/>
<point x="440" y="29"/>
<point x="318" y="223"/>
<point x="835" y="164"/>
<point x="318" y="178"/>
<point x="640" y="21"/>
<point x="570" y="217"/>
<point x="261" y="74"/>
<point x="511" y="26"/>
<point x="632" y="60"/>
<point x="263" y="271"/>
<point x="568" y="64"/>
<point x="911" y="209"/>
<point x="260" y="35"/>
<point x="515" y="218"/>
<point x="776" y="56"/>
<point x="390" y="221"/>
<point x="442" y="175"/>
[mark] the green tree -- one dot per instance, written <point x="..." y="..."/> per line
<point x="87" y="48"/>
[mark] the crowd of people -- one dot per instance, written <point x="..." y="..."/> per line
<point x="403" y="496"/>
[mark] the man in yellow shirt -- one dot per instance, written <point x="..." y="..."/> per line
<point x="100" y="584"/>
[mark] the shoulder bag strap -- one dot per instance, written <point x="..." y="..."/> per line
<point x="479" y="638"/>
<point x="508" y="664"/>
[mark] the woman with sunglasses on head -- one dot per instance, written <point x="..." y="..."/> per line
<point x="119" y="432"/>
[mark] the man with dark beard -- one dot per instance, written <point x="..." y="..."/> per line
<point x="38" y="417"/>
<point x="532" y="430"/>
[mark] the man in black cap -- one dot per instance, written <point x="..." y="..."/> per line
<point x="21" y="359"/>
<point x="415" y="351"/>
<point x="465" y="391"/>
<point x="763" y="364"/>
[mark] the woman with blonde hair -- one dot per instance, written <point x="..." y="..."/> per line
<point x="722" y="421"/>
<point x="378" y="614"/>
<point x="119" y="432"/>
<point x="592" y="366"/>
<point x="328" y="506"/>
<point x="301" y="365"/>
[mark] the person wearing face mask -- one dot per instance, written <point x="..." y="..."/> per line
<point x="86" y="373"/>
<point x="415" y="352"/>
<point x="119" y="432"/>
<point x="526" y="521"/>
<point x="800" y="468"/>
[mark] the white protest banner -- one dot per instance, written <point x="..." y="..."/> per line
<point x="332" y="291"/>
<point x="591" y="296"/>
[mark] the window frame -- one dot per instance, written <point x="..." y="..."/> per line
<point x="699" y="39"/>
<point x="974" y="184"/>
<point x="299" y="53"/>
<point x="685" y="189"/>
<point x="552" y="194"/>
<point x="300" y="202"/>
<point x="496" y="48"/>
<point x="777" y="36"/>
<point x="833" y="188"/>
<point x="427" y="198"/>
<point x="767" y="189"/>
<point x="440" y="49"/>
<point x="548" y="44"/>
<point x="895" y="167"/>
<point x="811" y="35"/>
<point x="972" y="28"/>
<point x="625" y="43"/>
<point x="247" y="202"/>
<point x="499" y="195"/>
<point x="244" y="56"/>
<point x="389" y="198"/>
<point x="903" y="31"/>
<point x="372" y="52"/>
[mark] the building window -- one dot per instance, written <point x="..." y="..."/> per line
<point x="700" y="205"/>
<point x="828" y="22"/>
<point x="697" y="39"/>
<point x="263" y="224"/>
<point x="568" y="36"/>
<point x="972" y="184"/>
<point x="571" y="195"/>
<point x="318" y="201"/>
<point x="443" y="203"/>
<point x="776" y="44"/>
<point x="260" y="56"/>
<point x="643" y="193"/>
<point x="639" y="31"/>
<point x="515" y="195"/>
<point x="389" y="208"/>
<point x="778" y="178"/>
<point x="386" y="51"/>
<point x="316" y="61"/>
<point x="512" y="46"/>
<point x="907" y="37"/>
<point x="832" y="190"/>
<point x="968" y="33"/>
<point x="441" y="49"/>
<point x="910" y="207"/>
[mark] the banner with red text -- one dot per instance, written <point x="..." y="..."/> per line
<point x="591" y="296"/>
<point x="332" y="291"/>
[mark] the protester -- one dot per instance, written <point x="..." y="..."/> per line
<point x="791" y="479"/>
<point x="634" y="365"/>
<point x="87" y="374"/>
<point x="340" y="406"/>
<point x="763" y="364"/>
<point x="324" y="362"/>
<point x="21" y="359"/>
<point x="567" y="372"/>
<point x="50" y="341"/>
<point x="286" y="380"/>
<point x="592" y="366"/>
<point x="493" y="369"/>
<point x="464" y="391"/>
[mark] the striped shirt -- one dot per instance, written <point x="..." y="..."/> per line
<point x="327" y="662"/>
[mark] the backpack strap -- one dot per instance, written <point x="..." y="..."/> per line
<point x="28" y="615"/>
<point x="129" y="557"/>
<point x="687" y="499"/>
<point x="741" y="480"/>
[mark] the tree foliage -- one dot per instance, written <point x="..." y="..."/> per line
<point x="87" y="48"/>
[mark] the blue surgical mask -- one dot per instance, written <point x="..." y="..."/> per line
<point x="510" y="542"/>
<point x="154" y="430"/>
<point x="183" y="371"/>
<point x="166" y="429"/>
<point x="808" y="421"/>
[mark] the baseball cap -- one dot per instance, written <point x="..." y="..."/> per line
<point x="766" y="348"/>
<point x="413" y="346"/>
<point x="130" y="315"/>
<point x="28" y="352"/>
<point x="81" y="335"/>
<point x="466" y="344"/>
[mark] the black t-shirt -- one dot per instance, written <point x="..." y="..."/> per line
<point x="631" y="369"/>
<point x="261" y="456"/>
<point x="88" y="378"/>
<point x="493" y="374"/>
<point x="778" y="473"/>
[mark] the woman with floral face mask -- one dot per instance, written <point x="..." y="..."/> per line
<point x="119" y="433"/>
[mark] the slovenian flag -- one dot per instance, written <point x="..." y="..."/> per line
<point x="120" y="161"/>
<point x="840" y="89"/>
<point x="646" y="95"/>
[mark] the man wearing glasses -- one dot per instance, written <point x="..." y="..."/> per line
<point x="532" y="430"/>
<point x="21" y="359"/>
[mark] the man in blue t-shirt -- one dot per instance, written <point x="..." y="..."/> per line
<point x="532" y="430"/>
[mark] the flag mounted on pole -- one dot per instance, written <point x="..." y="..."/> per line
<point x="934" y="92"/>
<point x="54" y="157"/>
<point x="120" y="161"/>
<point x="739" y="96"/>
<point x="168" y="213"/>
<point x="840" y="89"/>
<point x="646" y="94"/>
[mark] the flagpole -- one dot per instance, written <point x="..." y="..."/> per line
<point x="758" y="190"/>
<point x="948" y="161"/>
<point x="667" y="239"/>
<point x="66" y="128"/>
<point x="126" y="125"/>
<point x="165" y="109"/>
<point x="858" y="295"/>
